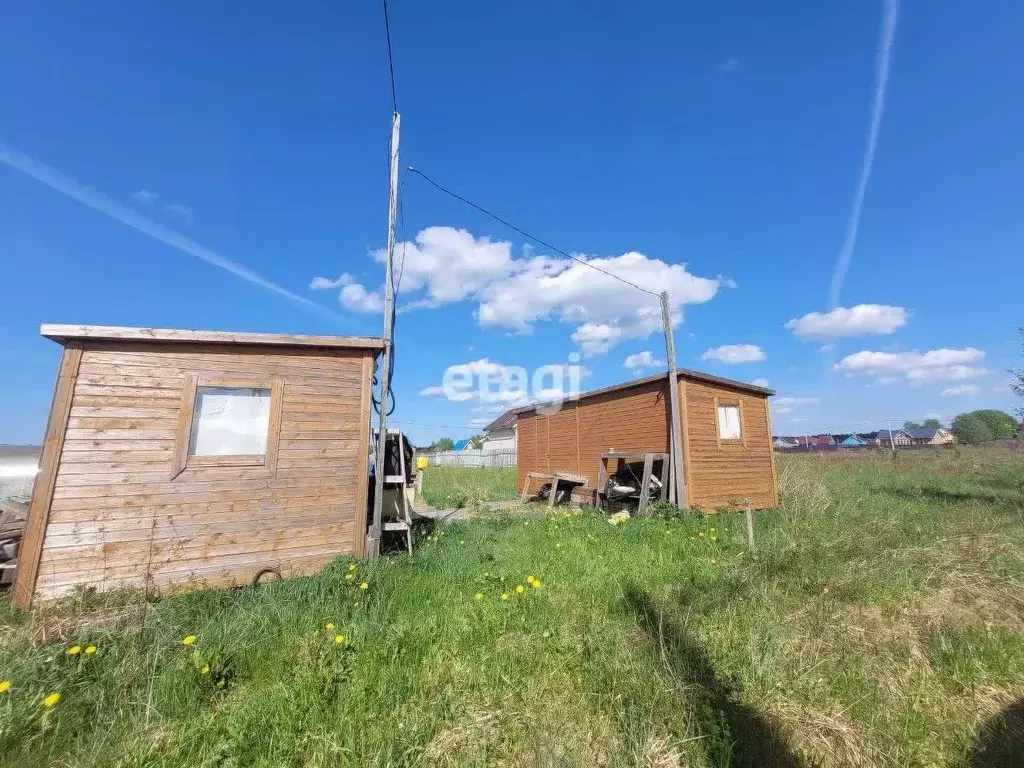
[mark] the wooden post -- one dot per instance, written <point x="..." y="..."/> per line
<point x="645" y="485"/>
<point x="373" y="540"/>
<point x="678" y="494"/>
<point x="750" y="527"/>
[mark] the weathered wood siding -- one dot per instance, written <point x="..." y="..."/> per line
<point x="117" y="518"/>
<point x="726" y="474"/>
<point x="717" y="474"/>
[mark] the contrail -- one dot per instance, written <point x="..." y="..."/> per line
<point x="882" y="61"/>
<point x="100" y="202"/>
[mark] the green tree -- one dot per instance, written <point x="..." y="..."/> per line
<point x="926" y="424"/>
<point x="444" y="444"/>
<point x="981" y="426"/>
<point x="1017" y="383"/>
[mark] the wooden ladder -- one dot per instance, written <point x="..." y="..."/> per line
<point x="404" y="522"/>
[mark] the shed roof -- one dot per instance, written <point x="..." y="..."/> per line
<point x="505" y="421"/>
<point x="63" y="333"/>
<point x="683" y="373"/>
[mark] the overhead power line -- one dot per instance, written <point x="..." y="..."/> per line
<point x="522" y="232"/>
<point x="391" y="63"/>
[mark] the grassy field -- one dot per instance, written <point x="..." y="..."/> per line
<point x="458" y="487"/>
<point x="879" y="623"/>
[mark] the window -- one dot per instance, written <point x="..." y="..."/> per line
<point x="230" y="421"/>
<point x="729" y="422"/>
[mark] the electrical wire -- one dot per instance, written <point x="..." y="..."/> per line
<point x="537" y="240"/>
<point x="391" y="64"/>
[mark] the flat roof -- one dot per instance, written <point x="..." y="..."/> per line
<point x="62" y="333"/>
<point x="683" y="373"/>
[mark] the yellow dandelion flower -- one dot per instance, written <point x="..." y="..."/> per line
<point x="700" y="534"/>
<point x="51" y="700"/>
<point x="530" y="579"/>
<point x="520" y="589"/>
<point x="487" y="574"/>
<point x="462" y="541"/>
<point x="74" y="650"/>
<point x="504" y="595"/>
<point x="351" y="566"/>
<point x="535" y="583"/>
<point x="339" y="639"/>
<point x="364" y="585"/>
<point x="349" y="576"/>
<point x="188" y="640"/>
<point x="714" y="538"/>
<point x="5" y="686"/>
<point x="478" y="596"/>
<point x="90" y="650"/>
<point x="205" y="670"/>
<point x="329" y="626"/>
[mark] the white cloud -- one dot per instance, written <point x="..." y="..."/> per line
<point x="492" y="409"/>
<point x="861" y="320"/>
<point x="914" y="367"/>
<point x="478" y="423"/>
<point x="781" y="409"/>
<point x="796" y="400"/>
<point x="352" y="295"/>
<point x="798" y="419"/>
<point x="962" y="389"/>
<point x="145" y="197"/>
<point x="642" y="360"/>
<point x="444" y="265"/>
<point x="735" y="353"/>
<point x="761" y="381"/>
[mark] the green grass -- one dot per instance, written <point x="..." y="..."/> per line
<point x="458" y="487"/>
<point x="880" y="623"/>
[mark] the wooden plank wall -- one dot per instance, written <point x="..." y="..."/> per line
<point x="117" y="519"/>
<point x="638" y="419"/>
<point x="725" y="475"/>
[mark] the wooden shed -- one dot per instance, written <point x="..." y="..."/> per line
<point x="176" y="456"/>
<point x="726" y="436"/>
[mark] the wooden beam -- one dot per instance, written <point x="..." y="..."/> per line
<point x="363" y="461"/>
<point x="62" y="333"/>
<point x="31" y="550"/>
<point x="678" y="493"/>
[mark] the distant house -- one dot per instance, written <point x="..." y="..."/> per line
<point x="898" y="437"/>
<point x="815" y="441"/>
<point x="849" y="441"/>
<point x="784" y="442"/>
<point x="462" y="445"/>
<point x="501" y="434"/>
<point x="930" y="436"/>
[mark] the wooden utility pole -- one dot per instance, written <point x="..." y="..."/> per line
<point x="678" y="491"/>
<point x="373" y="539"/>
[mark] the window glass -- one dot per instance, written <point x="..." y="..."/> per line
<point x="230" y="422"/>
<point x="729" y="422"/>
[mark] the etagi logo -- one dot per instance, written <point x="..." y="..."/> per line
<point x="550" y="386"/>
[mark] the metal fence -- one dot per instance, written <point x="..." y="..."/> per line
<point x="472" y="457"/>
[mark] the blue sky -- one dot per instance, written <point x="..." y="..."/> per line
<point x="728" y="138"/>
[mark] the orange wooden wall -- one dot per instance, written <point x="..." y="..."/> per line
<point x="118" y="519"/>
<point x="717" y="475"/>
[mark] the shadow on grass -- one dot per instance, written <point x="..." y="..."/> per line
<point x="1000" y="740"/>
<point x="1004" y="500"/>
<point x="735" y="733"/>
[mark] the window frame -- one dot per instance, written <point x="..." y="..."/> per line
<point x="738" y="405"/>
<point x="262" y="465"/>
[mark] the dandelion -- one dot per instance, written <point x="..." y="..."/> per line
<point x="714" y="538"/>
<point x="339" y="639"/>
<point x="364" y="585"/>
<point x="520" y="589"/>
<point x="700" y="534"/>
<point x="352" y="566"/>
<point x="74" y="650"/>
<point x="5" y="686"/>
<point x="530" y="579"/>
<point x="504" y="596"/>
<point x="478" y="596"/>
<point x="461" y="542"/>
<point x="90" y="650"/>
<point x="712" y="530"/>
<point x="188" y="640"/>
<point x="205" y="670"/>
<point x="713" y="561"/>
<point x="487" y="574"/>
<point x="349" y="576"/>
<point x="329" y="626"/>
<point x="535" y="583"/>
<point x="51" y="700"/>
<point x="356" y="603"/>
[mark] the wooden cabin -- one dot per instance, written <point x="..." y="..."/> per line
<point x="175" y="457"/>
<point x="726" y="436"/>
